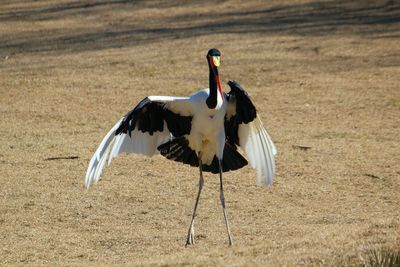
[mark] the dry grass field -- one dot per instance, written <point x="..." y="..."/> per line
<point x="323" y="74"/>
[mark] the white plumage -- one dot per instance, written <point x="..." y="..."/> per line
<point x="260" y="150"/>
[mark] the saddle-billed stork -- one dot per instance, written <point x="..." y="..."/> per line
<point x="201" y="130"/>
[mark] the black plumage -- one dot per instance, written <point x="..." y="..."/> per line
<point x="245" y="112"/>
<point x="231" y="160"/>
<point x="178" y="149"/>
<point x="149" y="116"/>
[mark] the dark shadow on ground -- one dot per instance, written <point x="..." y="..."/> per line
<point x="372" y="19"/>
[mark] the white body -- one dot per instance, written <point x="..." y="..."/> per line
<point x="207" y="135"/>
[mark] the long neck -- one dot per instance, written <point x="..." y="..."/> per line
<point x="212" y="98"/>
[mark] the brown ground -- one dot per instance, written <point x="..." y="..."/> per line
<point x="323" y="74"/>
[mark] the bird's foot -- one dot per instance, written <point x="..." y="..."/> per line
<point x="190" y="238"/>
<point x="230" y="241"/>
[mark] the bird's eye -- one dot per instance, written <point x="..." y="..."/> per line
<point x="216" y="61"/>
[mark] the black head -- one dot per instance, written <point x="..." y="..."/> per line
<point x="213" y="52"/>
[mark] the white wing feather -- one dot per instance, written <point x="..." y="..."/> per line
<point x="259" y="148"/>
<point x="114" y="145"/>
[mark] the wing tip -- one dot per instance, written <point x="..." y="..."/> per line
<point x="265" y="184"/>
<point x="99" y="158"/>
<point x="268" y="182"/>
<point x="233" y="83"/>
<point x="87" y="187"/>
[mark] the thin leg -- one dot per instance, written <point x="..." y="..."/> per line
<point x="223" y="204"/>
<point x="190" y="237"/>
<point x="191" y="234"/>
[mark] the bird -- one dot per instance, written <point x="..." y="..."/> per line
<point x="203" y="130"/>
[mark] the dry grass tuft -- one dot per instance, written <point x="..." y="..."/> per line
<point x="384" y="257"/>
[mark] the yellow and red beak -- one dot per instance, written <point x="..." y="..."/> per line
<point x="216" y="60"/>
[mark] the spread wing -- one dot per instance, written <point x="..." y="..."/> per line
<point x="155" y="120"/>
<point x="244" y="128"/>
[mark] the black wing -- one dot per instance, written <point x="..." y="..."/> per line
<point x="149" y="117"/>
<point x="240" y="111"/>
<point x="244" y="128"/>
